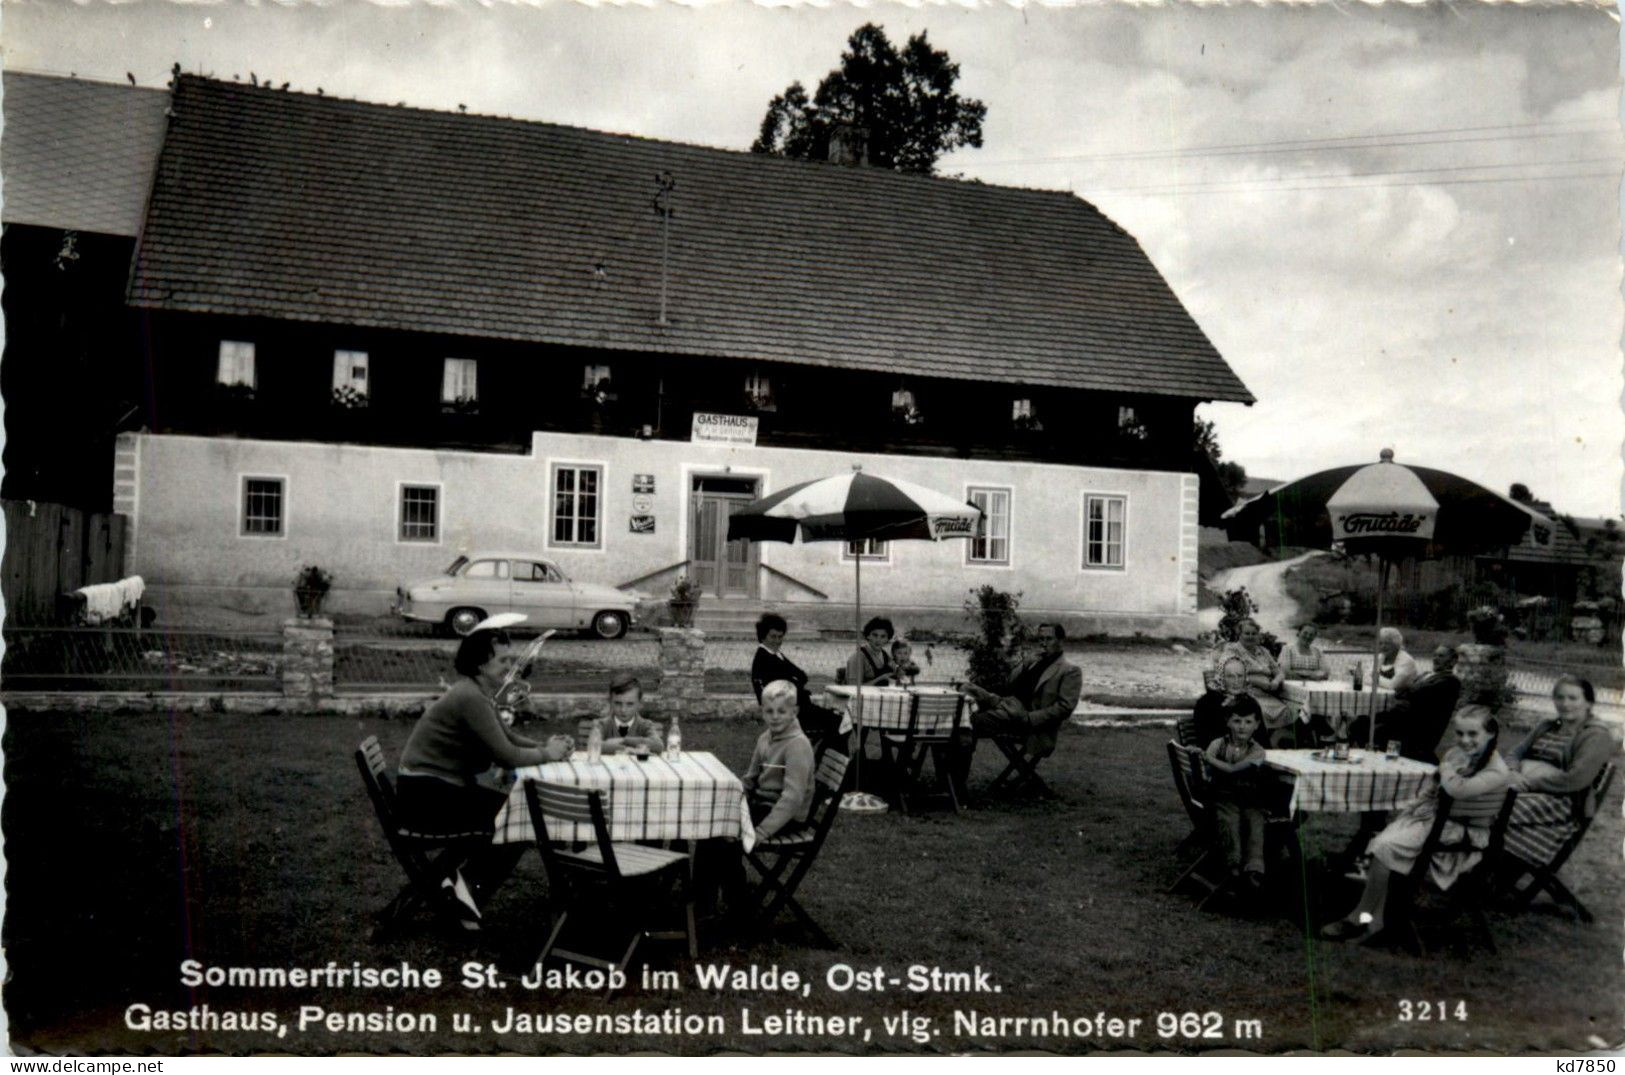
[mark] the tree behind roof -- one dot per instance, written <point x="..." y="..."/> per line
<point x="904" y="102"/>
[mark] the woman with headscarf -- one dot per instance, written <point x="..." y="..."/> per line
<point x="1264" y="675"/>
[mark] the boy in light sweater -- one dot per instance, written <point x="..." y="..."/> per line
<point x="779" y="781"/>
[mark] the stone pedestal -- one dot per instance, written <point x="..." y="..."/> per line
<point x="1482" y="670"/>
<point x="307" y="659"/>
<point x="682" y="672"/>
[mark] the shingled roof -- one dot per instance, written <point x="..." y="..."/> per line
<point x="79" y="154"/>
<point x="286" y="205"/>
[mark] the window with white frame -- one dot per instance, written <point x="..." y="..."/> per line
<point x="991" y="545"/>
<point x="759" y="391"/>
<point x="350" y="372"/>
<point x="1021" y="410"/>
<point x="1129" y="424"/>
<point x="263" y="507"/>
<point x="868" y="549"/>
<point x="1104" y="519"/>
<point x="595" y="377"/>
<point x="237" y="363"/>
<point x="420" y="513"/>
<point x="576" y="504"/>
<point x="460" y="384"/>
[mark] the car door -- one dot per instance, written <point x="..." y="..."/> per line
<point x="541" y="593"/>
<point x="485" y="584"/>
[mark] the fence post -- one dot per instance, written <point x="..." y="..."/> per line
<point x="682" y="671"/>
<point x="307" y="659"/>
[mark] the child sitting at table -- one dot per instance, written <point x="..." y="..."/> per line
<point x="902" y="658"/>
<point x="1236" y="763"/>
<point x="625" y="728"/>
<point x="779" y="780"/>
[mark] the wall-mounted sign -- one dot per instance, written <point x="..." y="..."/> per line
<point x="724" y="429"/>
<point x="643" y="483"/>
<point x="642" y="524"/>
<point x="642" y="505"/>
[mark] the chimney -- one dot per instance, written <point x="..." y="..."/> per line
<point x="848" y="144"/>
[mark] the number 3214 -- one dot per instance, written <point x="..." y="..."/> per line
<point x="1432" y="1011"/>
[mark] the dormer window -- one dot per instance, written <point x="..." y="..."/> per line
<point x="759" y="392"/>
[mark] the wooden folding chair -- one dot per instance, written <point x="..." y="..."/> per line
<point x="783" y="859"/>
<point x="615" y="886"/>
<point x="1188" y="764"/>
<point x="933" y="718"/>
<point x="1020" y="771"/>
<point x="1470" y="892"/>
<point x="424" y="875"/>
<point x="1529" y="880"/>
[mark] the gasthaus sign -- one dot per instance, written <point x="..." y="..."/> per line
<point x="724" y="429"/>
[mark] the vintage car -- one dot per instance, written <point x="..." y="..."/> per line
<point x="484" y="583"/>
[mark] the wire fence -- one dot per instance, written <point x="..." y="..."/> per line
<point x="137" y="659"/>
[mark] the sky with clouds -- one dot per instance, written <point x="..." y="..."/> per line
<point x="1399" y="224"/>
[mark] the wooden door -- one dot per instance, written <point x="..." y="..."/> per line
<point x="719" y="567"/>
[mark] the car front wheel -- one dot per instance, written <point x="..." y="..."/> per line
<point x="462" y="620"/>
<point x="609" y="625"/>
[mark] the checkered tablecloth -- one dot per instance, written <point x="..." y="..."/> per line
<point x="1374" y="782"/>
<point x="1309" y="698"/>
<point x="694" y="797"/>
<point x="887" y="708"/>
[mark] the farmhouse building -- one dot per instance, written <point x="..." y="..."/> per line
<point x="376" y="337"/>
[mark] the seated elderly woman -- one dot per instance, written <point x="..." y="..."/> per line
<point x="456" y="742"/>
<point x="1396" y="669"/>
<point x="1470" y="769"/>
<point x="1264" y="677"/>
<point x="1302" y="658"/>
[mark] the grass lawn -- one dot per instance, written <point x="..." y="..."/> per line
<point x="137" y="841"/>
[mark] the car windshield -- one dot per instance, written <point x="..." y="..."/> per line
<point x="456" y="565"/>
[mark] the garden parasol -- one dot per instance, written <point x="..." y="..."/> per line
<point x="1386" y="508"/>
<point x="855" y="507"/>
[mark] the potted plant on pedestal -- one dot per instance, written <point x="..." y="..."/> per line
<point x="310" y="587"/>
<point x="1481" y="664"/>
<point x="684" y="596"/>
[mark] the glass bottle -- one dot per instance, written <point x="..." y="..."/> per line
<point x="674" y="739"/>
<point x="595" y="743"/>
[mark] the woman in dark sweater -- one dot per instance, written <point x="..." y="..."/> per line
<point x="822" y="726"/>
<point x="457" y="740"/>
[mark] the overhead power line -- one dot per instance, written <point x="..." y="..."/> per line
<point x="1389" y="140"/>
<point x="1270" y="188"/>
<point x="1274" y="180"/>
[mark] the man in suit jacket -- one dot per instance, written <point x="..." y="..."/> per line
<point x="1420" y="715"/>
<point x="1042" y="692"/>
<point x="626" y="728"/>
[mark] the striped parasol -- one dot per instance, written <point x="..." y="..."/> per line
<point x="1385" y="508"/>
<point x="852" y="507"/>
<point x="855" y="507"/>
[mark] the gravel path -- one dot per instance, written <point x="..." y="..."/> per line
<point x="1266" y="585"/>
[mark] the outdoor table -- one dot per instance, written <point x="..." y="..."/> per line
<point x="691" y="797"/>
<point x="1368" y="781"/>
<point x="1330" y="700"/>
<point x="884" y="708"/>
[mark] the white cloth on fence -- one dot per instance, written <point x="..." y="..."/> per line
<point x="109" y="600"/>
